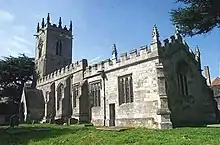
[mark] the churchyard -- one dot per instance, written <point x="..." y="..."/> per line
<point x="45" y="134"/>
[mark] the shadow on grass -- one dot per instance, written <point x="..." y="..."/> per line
<point x="22" y="135"/>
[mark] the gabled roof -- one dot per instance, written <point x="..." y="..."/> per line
<point x="216" y="82"/>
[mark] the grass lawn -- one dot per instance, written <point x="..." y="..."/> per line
<point x="44" y="134"/>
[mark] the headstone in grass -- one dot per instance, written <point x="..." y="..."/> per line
<point x="41" y="129"/>
<point x="59" y="121"/>
<point x="17" y="130"/>
<point x="14" y="121"/>
<point x="72" y="121"/>
<point x="51" y="121"/>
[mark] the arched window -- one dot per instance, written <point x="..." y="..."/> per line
<point x="40" y="47"/>
<point x="95" y="92"/>
<point x="59" y="48"/>
<point x="40" y="52"/>
<point x="60" y="94"/>
<point x="47" y="97"/>
<point x="182" y="82"/>
<point x="125" y="89"/>
<point x="75" y="88"/>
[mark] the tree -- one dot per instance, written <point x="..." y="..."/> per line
<point x="14" y="72"/>
<point x="196" y="16"/>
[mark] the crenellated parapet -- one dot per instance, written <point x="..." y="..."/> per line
<point x="63" y="72"/>
<point x="174" y="43"/>
<point x="49" y="25"/>
<point x="174" y="39"/>
<point x="144" y="53"/>
<point x="128" y="58"/>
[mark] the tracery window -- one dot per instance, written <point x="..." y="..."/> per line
<point x="75" y="93"/>
<point x="60" y="95"/>
<point x="182" y="82"/>
<point x="95" y="93"/>
<point x="125" y="89"/>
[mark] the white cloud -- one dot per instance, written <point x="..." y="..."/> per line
<point x="14" y="37"/>
<point x="11" y="52"/>
<point x="14" y="48"/>
<point x="6" y="16"/>
<point x="19" y="29"/>
<point x="15" y="42"/>
<point x="95" y="60"/>
<point x="22" y="40"/>
<point x="18" y="46"/>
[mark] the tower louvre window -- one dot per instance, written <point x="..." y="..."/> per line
<point x="59" y="48"/>
<point x="40" y="46"/>
<point x="40" y="53"/>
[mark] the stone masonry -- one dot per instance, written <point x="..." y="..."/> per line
<point x="156" y="86"/>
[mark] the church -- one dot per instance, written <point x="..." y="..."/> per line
<point x="159" y="85"/>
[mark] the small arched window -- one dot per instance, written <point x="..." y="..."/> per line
<point x="40" y="47"/>
<point x="60" y="95"/>
<point x="59" y="48"/>
<point x="182" y="81"/>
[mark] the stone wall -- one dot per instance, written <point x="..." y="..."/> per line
<point x="96" y="113"/>
<point x="216" y="90"/>
<point x="198" y="106"/>
<point x="143" y="110"/>
<point x="157" y="98"/>
<point x="66" y="77"/>
<point x="145" y="94"/>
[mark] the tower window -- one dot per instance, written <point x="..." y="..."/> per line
<point x="40" y="46"/>
<point x="59" y="48"/>
<point x="40" y="52"/>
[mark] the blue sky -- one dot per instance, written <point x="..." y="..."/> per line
<point x="97" y="25"/>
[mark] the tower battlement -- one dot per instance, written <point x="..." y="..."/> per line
<point x="63" y="72"/>
<point x="53" y="46"/>
<point x="49" y="25"/>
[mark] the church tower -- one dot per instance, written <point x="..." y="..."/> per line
<point x="53" y="47"/>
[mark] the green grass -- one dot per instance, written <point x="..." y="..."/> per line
<point x="59" y="135"/>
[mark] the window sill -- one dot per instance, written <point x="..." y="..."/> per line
<point x="123" y="104"/>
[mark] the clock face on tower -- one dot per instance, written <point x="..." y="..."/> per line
<point x="40" y="46"/>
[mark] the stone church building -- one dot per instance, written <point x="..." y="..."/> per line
<point x="156" y="86"/>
